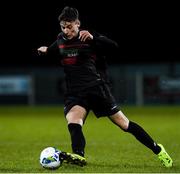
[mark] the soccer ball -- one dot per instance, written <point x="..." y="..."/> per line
<point x="49" y="158"/>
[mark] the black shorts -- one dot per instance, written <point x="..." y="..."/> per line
<point x="97" y="98"/>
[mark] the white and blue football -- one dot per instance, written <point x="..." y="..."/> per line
<point x="49" y="158"/>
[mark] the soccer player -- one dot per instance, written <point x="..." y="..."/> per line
<point x="82" y="53"/>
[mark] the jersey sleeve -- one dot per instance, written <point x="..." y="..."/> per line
<point x="104" y="44"/>
<point x="53" y="47"/>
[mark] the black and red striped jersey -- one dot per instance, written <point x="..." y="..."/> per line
<point x="83" y="62"/>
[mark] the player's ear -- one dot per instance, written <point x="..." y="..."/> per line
<point x="78" y="23"/>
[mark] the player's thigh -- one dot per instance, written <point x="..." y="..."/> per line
<point x="75" y="108"/>
<point x="120" y="120"/>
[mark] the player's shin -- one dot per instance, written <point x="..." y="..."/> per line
<point x="143" y="137"/>
<point x="77" y="138"/>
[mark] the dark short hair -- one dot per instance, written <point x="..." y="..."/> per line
<point x="68" y="14"/>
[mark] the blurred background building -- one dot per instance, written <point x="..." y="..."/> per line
<point x="146" y="69"/>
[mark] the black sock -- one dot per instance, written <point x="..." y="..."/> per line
<point x="77" y="138"/>
<point x="143" y="137"/>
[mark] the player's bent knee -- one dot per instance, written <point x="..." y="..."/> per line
<point x="74" y="119"/>
<point x="77" y="114"/>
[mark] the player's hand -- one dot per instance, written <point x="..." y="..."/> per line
<point x="42" y="50"/>
<point x="84" y="35"/>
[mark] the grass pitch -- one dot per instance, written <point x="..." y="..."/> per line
<point x="25" y="131"/>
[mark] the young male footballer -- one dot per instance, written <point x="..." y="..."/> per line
<point x="82" y="55"/>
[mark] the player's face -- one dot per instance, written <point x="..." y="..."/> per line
<point x="70" y="29"/>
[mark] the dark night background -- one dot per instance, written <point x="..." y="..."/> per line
<point x="145" y="31"/>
